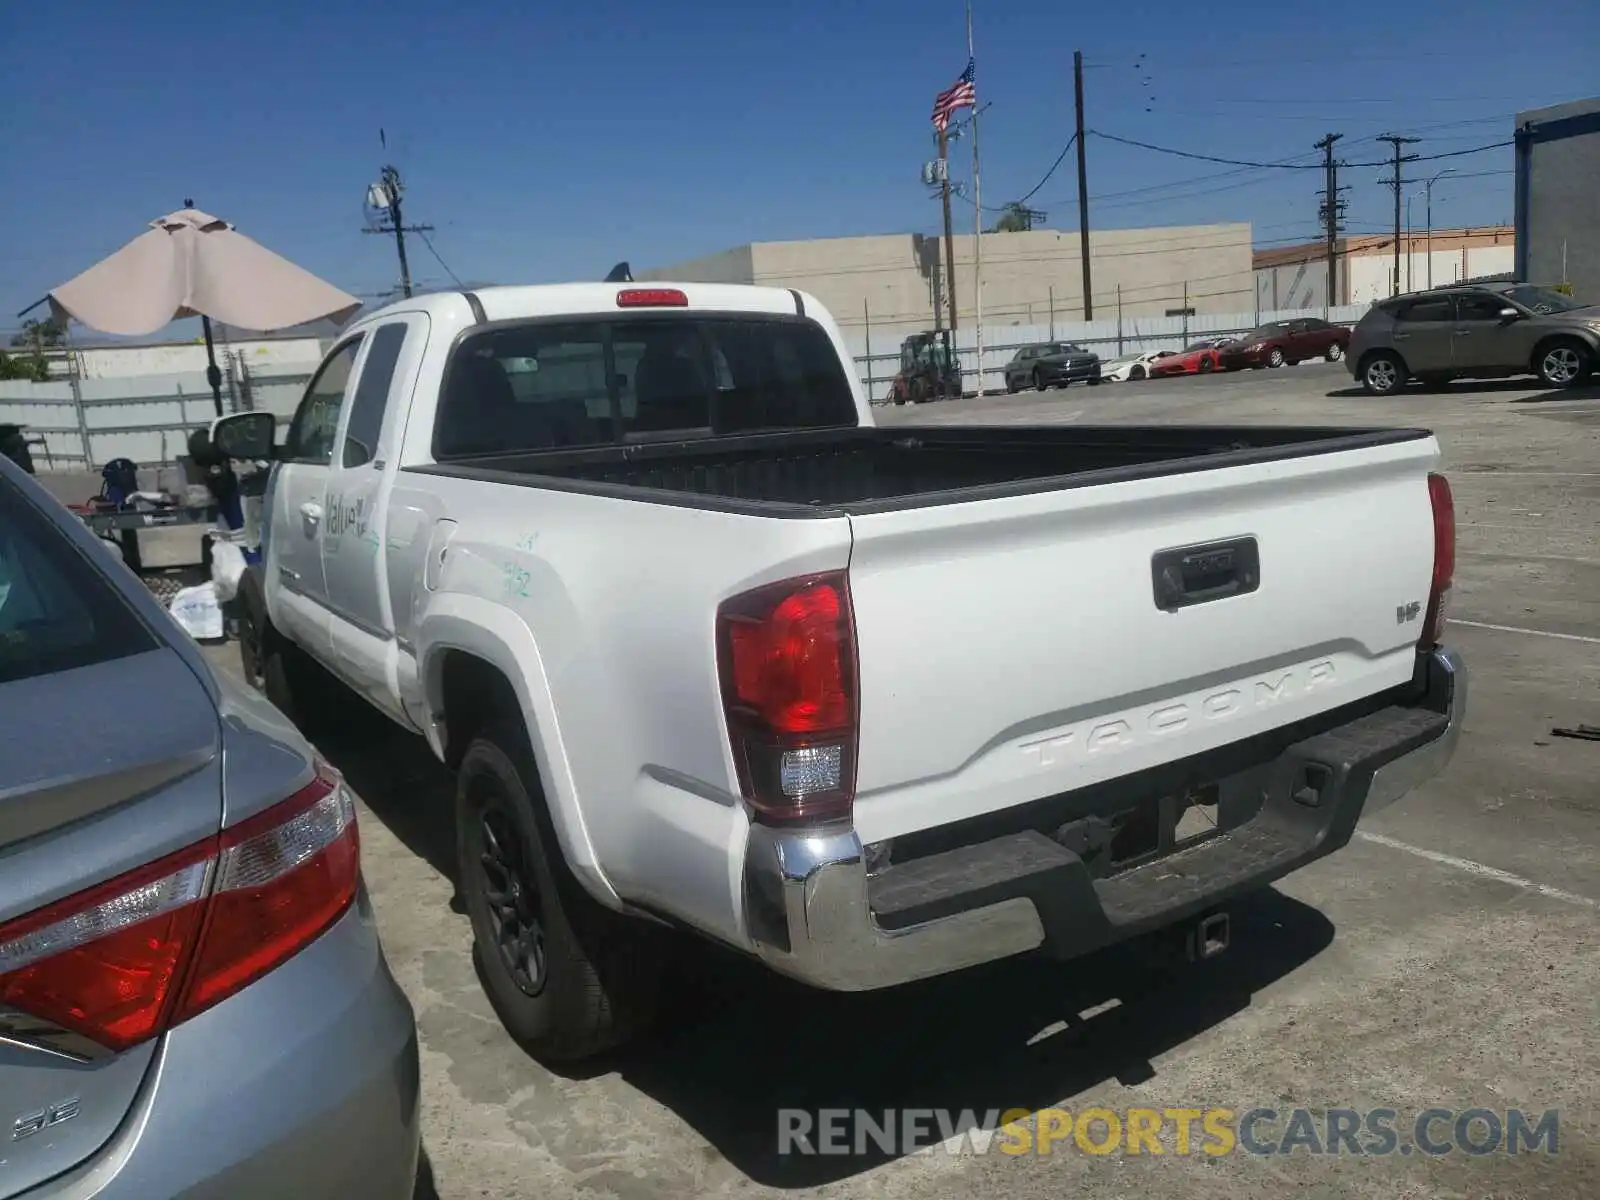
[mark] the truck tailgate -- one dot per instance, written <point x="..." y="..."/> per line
<point x="1014" y="648"/>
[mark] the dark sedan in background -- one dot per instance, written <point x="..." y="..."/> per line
<point x="1280" y="342"/>
<point x="1051" y="364"/>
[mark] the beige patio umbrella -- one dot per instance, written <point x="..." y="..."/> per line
<point x="191" y="264"/>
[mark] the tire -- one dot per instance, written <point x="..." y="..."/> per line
<point x="1012" y="386"/>
<point x="1207" y="366"/>
<point x="251" y="604"/>
<point x="1275" y="357"/>
<point x="1137" y="374"/>
<point x="1563" y="363"/>
<point x="1383" y="373"/>
<point x="1039" y="384"/>
<point x="1335" y="352"/>
<point x="301" y="690"/>
<point x="568" y="978"/>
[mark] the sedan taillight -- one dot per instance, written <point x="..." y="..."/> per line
<point x="128" y="959"/>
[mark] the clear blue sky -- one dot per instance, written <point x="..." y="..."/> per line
<point x="546" y="142"/>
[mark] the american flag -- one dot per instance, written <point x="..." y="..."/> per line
<point x="963" y="93"/>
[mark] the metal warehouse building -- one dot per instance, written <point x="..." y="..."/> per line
<point x="893" y="282"/>
<point x="1558" y="196"/>
<point x="1297" y="276"/>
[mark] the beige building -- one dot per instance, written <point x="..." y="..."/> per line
<point x="894" y="281"/>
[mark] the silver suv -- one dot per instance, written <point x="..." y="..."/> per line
<point x="1475" y="331"/>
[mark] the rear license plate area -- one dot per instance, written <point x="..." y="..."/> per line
<point x="1149" y="829"/>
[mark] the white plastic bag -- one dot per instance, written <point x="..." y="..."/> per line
<point x="197" y="612"/>
<point x="227" y="568"/>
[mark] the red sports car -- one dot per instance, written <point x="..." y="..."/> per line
<point x="1199" y="359"/>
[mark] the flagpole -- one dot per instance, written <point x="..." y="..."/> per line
<point x="977" y="209"/>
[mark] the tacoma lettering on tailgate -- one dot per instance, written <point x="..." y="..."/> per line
<point x="1112" y="733"/>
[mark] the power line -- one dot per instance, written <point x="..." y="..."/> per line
<point x="1060" y="158"/>
<point x="1286" y="165"/>
<point x="428" y="242"/>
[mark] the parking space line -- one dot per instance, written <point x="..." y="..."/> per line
<point x="1477" y="868"/>
<point x="1565" y="637"/>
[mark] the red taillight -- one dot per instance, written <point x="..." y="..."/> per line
<point x="786" y="655"/>
<point x="1444" y="557"/>
<point x="129" y="958"/>
<point x="652" y="298"/>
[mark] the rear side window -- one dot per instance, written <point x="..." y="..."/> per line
<point x="372" y="395"/>
<point x="546" y="385"/>
<point x="57" y="611"/>
<point x="1438" y="308"/>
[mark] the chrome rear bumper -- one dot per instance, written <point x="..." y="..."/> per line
<point x="806" y="892"/>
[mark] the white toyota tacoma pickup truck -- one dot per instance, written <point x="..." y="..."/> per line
<point x="710" y="651"/>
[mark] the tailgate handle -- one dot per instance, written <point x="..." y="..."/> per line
<point x="1198" y="574"/>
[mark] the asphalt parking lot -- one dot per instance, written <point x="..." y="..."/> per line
<point x="1447" y="958"/>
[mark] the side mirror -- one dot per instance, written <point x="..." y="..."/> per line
<point x="1510" y="314"/>
<point x="246" y="435"/>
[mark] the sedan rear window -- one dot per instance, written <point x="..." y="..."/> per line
<point x="57" y="610"/>
<point x="546" y="385"/>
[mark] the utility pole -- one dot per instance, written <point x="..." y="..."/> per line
<point x="949" y="237"/>
<point x="1396" y="141"/>
<point x="1428" y="188"/>
<point x="385" y="195"/>
<point x="1332" y="210"/>
<point x="1083" y="188"/>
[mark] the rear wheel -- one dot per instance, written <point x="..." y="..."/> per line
<point x="1275" y="357"/>
<point x="1383" y="373"/>
<point x="1564" y="363"/>
<point x="568" y="978"/>
<point x="299" y="687"/>
<point x="1038" y="380"/>
<point x="1335" y="352"/>
<point x="1012" y="386"/>
<point x="253" y="624"/>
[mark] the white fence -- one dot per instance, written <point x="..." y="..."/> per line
<point x="84" y="423"/>
<point x="80" y="423"/>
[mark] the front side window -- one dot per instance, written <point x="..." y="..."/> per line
<point x="316" y="421"/>
<point x="1479" y="307"/>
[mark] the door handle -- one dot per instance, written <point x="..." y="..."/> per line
<point x="311" y="511"/>
<point x="1463" y="333"/>
<point x="1400" y="337"/>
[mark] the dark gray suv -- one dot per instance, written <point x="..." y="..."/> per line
<point x="1475" y="332"/>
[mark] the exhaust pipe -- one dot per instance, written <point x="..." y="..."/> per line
<point x="1209" y="937"/>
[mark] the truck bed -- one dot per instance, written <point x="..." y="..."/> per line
<point x="850" y="471"/>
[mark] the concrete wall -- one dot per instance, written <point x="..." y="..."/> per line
<point x="725" y="266"/>
<point x="1558" y="174"/>
<point x="891" y="282"/>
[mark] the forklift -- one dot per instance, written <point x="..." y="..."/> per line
<point x="928" y="369"/>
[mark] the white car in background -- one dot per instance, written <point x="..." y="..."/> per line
<point x="1132" y="366"/>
